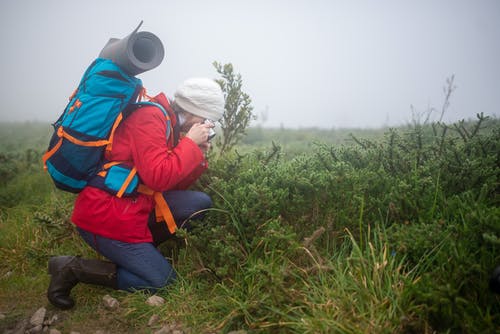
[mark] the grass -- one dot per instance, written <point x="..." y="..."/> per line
<point x="268" y="294"/>
<point x="323" y="242"/>
<point x="354" y="290"/>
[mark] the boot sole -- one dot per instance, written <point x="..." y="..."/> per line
<point x="61" y="306"/>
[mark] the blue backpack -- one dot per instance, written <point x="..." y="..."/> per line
<point x="105" y="96"/>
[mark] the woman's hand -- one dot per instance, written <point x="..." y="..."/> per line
<point x="199" y="134"/>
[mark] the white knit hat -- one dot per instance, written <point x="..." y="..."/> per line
<point x="201" y="97"/>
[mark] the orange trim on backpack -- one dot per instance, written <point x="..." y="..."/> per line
<point x="143" y="95"/>
<point x="163" y="212"/>
<point x="127" y="181"/>
<point x="62" y="133"/>
<point x="50" y="153"/>
<point x="76" y="104"/>
<point x="162" y="206"/>
<point x="73" y="94"/>
<point x="102" y="173"/>
<point x="111" y="136"/>
<point x="110" y="164"/>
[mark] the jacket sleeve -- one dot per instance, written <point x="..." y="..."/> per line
<point x="191" y="178"/>
<point x="159" y="167"/>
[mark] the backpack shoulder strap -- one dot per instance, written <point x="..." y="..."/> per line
<point x="154" y="104"/>
<point x="170" y="132"/>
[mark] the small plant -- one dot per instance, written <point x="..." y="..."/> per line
<point x="238" y="108"/>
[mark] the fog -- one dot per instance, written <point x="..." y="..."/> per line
<point x="328" y="64"/>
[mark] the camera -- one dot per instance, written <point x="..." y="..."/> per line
<point x="211" y="132"/>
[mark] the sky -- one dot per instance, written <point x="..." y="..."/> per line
<point x="304" y="63"/>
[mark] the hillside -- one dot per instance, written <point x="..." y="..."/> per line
<point x="312" y="231"/>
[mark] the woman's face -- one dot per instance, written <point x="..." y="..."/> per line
<point x="190" y="120"/>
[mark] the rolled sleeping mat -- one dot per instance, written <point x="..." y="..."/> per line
<point x="137" y="53"/>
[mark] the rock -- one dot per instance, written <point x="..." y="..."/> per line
<point x="100" y="331"/>
<point x="153" y="320"/>
<point x="54" y="331"/>
<point x="241" y="331"/>
<point x="2" y="316"/>
<point x="36" y="330"/>
<point x="169" y="329"/>
<point x="155" y="301"/>
<point x="38" y="317"/>
<point x="52" y="320"/>
<point x="164" y="330"/>
<point x="110" y="303"/>
<point x="73" y="332"/>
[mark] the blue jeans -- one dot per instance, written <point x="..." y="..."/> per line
<point x="141" y="265"/>
<point x="185" y="205"/>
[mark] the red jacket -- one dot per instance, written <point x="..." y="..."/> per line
<point x="140" y="140"/>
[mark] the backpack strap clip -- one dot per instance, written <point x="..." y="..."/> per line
<point x="162" y="210"/>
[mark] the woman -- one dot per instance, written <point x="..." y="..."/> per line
<point x="120" y="229"/>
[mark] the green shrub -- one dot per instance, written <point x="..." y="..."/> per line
<point x="397" y="234"/>
<point x="407" y="181"/>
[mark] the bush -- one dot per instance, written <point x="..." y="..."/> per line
<point x="397" y="234"/>
<point x="433" y="192"/>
